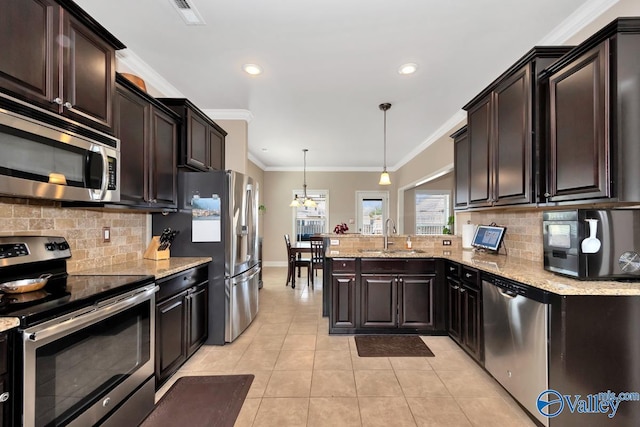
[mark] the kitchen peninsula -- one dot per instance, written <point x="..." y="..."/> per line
<point x="588" y="342"/>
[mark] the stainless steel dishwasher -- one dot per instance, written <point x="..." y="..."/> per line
<point x="515" y="339"/>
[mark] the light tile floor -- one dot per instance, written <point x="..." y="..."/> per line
<point x="305" y="377"/>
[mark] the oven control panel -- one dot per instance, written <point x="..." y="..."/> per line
<point x="15" y="250"/>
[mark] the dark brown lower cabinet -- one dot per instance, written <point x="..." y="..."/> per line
<point x="397" y="301"/>
<point x="181" y="320"/>
<point x="5" y="386"/>
<point x="384" y="296"/>
<point x="465" y="308"/>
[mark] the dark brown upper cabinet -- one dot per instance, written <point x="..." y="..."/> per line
<point x="148" y="133"/>
<point x="57" y="57"/>
<point x="202" y="141"/>
<point x="461" y="171"/>
<point x="594" y="105"/>
<point x="503" y="122"/>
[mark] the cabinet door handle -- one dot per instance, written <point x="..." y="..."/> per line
<point x="462" y="290"/>
<point x="456" y="287"/>
<point x="4" y="396"/>
<point x="57" y="101"/>
<point x="452" y="269"/>
<point x="68" y="105"/>
<point x="468" y="275"/>
<point x="547" y="195"/>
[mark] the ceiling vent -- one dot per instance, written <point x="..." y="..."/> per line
<point x="188" y="12"/>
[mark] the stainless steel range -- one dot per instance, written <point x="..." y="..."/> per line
<point x="84" y="348"/>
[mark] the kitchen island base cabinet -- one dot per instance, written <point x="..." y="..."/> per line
<point x="375" y="295"/>
<point x="181" y="320"/>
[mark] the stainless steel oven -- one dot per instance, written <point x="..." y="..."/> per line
<point x="83" y="353"/>
<point x="80" y="366"/>
<point x="45" y="156"/>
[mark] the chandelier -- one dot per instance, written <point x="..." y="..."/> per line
<point x="305" y="200"/>
<point x="384" y="176"/>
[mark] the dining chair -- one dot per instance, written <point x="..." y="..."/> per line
<point x="317" y="255"/>
<point x="293" y="262"/>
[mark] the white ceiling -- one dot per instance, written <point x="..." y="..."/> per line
<point x="329" y="63"/>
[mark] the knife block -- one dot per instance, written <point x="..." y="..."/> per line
<point x="153" y="250"/>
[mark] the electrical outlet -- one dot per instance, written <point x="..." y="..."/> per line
<point x="106" y="234"/>
<point x="446" y="253"/>
<point x="335" y="242"/>
<point x="446" y="242"/>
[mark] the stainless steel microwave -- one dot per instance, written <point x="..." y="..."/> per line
<point x="46" y="156"/>
<point x="592" y="244"/>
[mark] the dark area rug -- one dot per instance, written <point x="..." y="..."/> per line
<point x="201" y="401"/>
<point x="391" y="346"/>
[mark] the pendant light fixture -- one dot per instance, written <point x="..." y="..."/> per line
<point x="384" y="176"/>
<point x="305" y="201"/>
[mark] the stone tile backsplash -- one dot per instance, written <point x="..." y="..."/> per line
<point x="524" y="229"/>
<point x="81" y="227"/>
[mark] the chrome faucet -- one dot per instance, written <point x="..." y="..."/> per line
<point x="386" y="232"/>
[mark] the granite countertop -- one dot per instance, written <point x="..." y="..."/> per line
<point x="148" y="267"/>
<point x="518" y="269"/>
<point x="7" y="323"/>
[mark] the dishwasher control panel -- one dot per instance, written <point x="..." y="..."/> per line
<point x="516" y="288"/>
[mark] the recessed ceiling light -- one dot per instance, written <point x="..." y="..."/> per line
<point x="253" y="69"/>
<point x="409" y="68"/>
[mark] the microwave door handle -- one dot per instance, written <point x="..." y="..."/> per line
<point x="105" y="172"/>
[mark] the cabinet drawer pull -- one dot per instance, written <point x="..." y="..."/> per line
<point x="68" y="105"/>
<point x="456" y="287"/>
<point x="4" y="396"/>
<point x="462" y="290"/>
<point x="57" y="101"/>
<point x="468" y="275"/>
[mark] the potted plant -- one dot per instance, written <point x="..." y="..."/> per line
<point x="448" y="229"/>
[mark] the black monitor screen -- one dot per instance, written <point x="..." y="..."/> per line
<point x="488" y="237"/>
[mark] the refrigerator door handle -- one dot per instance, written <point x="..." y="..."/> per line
<point x="246" y="276"/>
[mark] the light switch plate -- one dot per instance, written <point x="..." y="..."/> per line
<point x="335" y="242"/>
<point x="446" y="242"/>
<point x="106" y="234"/>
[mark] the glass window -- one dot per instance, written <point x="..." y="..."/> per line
<point x="311" y="220"/>
<point x="432" y="212"/>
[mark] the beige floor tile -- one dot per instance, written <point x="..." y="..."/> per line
<point x="280" y="412"/>
<point x="306" y="328"/>
<point x="274" y="329"/>
<point x="259" y="383"/>
<point x="421" y="384"/>
<point x="295" y="360"/>
<point x="410" y="363"/>
<point x="258" y="360"/>
<point x="333" y="343"/>
<point x="216" y="361"/>
<point x="440" y="343"/>
<point x="266" y="342"/>
<point x="333" y="360"/>
<point x="333" y="384"/>
<point x="490" y="412"/>
<point x="289" y="384"/>
<point x="437" y="412"/>
<point x="299" y="342"/>
<point x="247" y="413"/>
<point x="368" y="363"/>
<point x="334" y="412"/>
<point x="453" y="360"/>
<point x="385" y="412"/>
<point x="377" y="383"/>
<point x="469" y="384"/>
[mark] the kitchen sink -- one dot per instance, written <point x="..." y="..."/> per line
<point x="390" y="251"/>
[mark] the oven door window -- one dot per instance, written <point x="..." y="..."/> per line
<point x="75" y="371"/>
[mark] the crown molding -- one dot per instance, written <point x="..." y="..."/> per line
<point x="575" y="22"/>
<point x="238" y="114"/>
<point x="256" y="161"/>
<point x="444" y="130"/>
<point x="377" y="169"/>
<point x="130" y="60"/>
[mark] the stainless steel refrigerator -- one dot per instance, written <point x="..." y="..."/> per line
<point x="218" y="217"/>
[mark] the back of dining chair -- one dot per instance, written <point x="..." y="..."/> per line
<point x="317" y="252"/>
